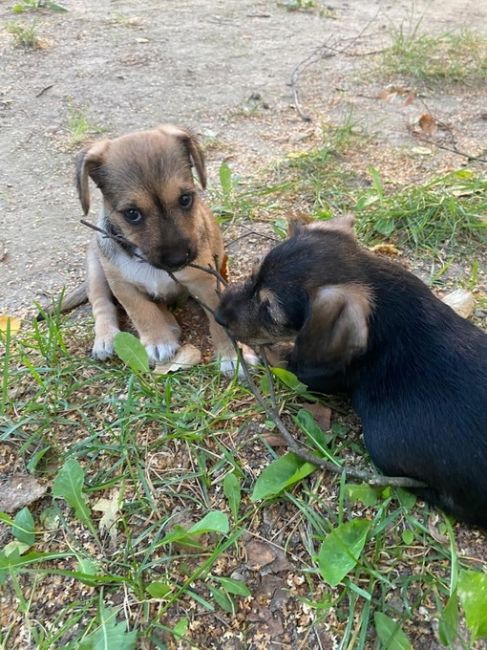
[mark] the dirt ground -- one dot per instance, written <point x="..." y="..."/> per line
<point x="131" y="65"/>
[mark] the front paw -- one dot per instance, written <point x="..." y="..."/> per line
<point x="231" y="364"/>
<point x="161" y="352"/>
<point x="103" y="346"/>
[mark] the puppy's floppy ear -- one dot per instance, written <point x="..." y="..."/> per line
<point x="337" y="329"/>
<point x="87" y="162"/>
<point x="197" y="157"/>
<point x="195" y="152"/>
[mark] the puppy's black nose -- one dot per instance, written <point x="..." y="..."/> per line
<point x="177" y="259"/>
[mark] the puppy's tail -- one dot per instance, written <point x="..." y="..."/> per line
<point x="67" y="302"/>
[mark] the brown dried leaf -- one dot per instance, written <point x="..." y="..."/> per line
<point x="410" y="97"/>
<point x="385" y="249"/>
<point x="15" y="324"/>
<point x="274" y="439"/>
<point x="460" y="301"/>
<point x="188" y="355"/>
<point x="3" y="251"/>
<point x="321" y="413"/>
<point x="259" y="554"/>
<point x="18" y="491"/>
<point x="428" y="123"/>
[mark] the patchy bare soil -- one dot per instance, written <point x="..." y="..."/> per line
<point x="131" y="65"/>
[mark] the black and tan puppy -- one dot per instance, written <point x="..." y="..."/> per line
<point x="415" y="370"/>
<point x="150" y="200"/>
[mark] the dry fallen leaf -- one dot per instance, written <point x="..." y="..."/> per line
<point x="3" y="251"/>
<point x="460" y="301"/>
<point x="15" y="324"/>
<point x="110" y="508"/>
<point x="321" y="413"/>
<point x="18" y="491"/>
<point x="259" y="554"/>
<point x="428" y="123"/>
<point x="274" y="439"/>
<point x="385" y="249"/>
<point x="422" y="151"/>
<point x="188" y="355"/>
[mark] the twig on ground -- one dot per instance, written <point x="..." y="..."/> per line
<point x="453" y="149"/>
<point x="367" y="477"/>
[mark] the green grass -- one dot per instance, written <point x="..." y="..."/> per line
<point x="35" y="5"/>
<point x="80" y="127"/>
<point x="452" y="57"/>
<point x="160" y="450"/>
<point x="25" y="36"/>
<point x="445" y="214"/>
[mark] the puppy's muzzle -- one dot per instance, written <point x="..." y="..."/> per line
<point x="176" y="258"/>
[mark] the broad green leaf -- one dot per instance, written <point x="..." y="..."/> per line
<point x="131" y="352"/>
<point x="390" y="633"/>
<point x="408" y="537"/>
<point x="280" y="474"/>
<point x="472" y="592"/>
<point x="341" y="549"/>
<point x="363" y="493"/>
<point x="312" y="429"/>
<point x="289" y="379"/>
<point x="448" y="627"/>
<point x="87" y="566"/>
<point x="158" y="589"/>
<point x="110" y="635"/>
<point x="385" y="226"/>
<point x="181" y="627"/>
<point x="68" y="485"/>
<point x="231" y="489"/>
<point x="236" y="587"/>
<point x="405" y="498"/>
<point x="15" y="547"/>
<point x="23" y="528"/>
<point x="222" y="599"/>
<point x="215" y="521"/>
<point x="225" y="174"/>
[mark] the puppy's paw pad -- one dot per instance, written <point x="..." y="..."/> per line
<point x="103" y="347"/>
<point x="161" y="352"/>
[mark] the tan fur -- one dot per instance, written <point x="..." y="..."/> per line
<point x="149" y="171"/>
<point x="342" y="311"/>
<point x="343" y="223"/>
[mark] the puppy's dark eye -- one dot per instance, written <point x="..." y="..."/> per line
<point x="133" y="215"/>
<point x="186" y="201"/>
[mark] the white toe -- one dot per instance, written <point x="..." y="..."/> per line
<point x="161" y="352"/>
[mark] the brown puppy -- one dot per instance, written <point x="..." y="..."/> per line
<point x="151" y="203"/>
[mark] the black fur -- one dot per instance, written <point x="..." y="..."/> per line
<point x="419" y="387"/>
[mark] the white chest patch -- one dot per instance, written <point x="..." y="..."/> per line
<point x="153" y="281"/>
